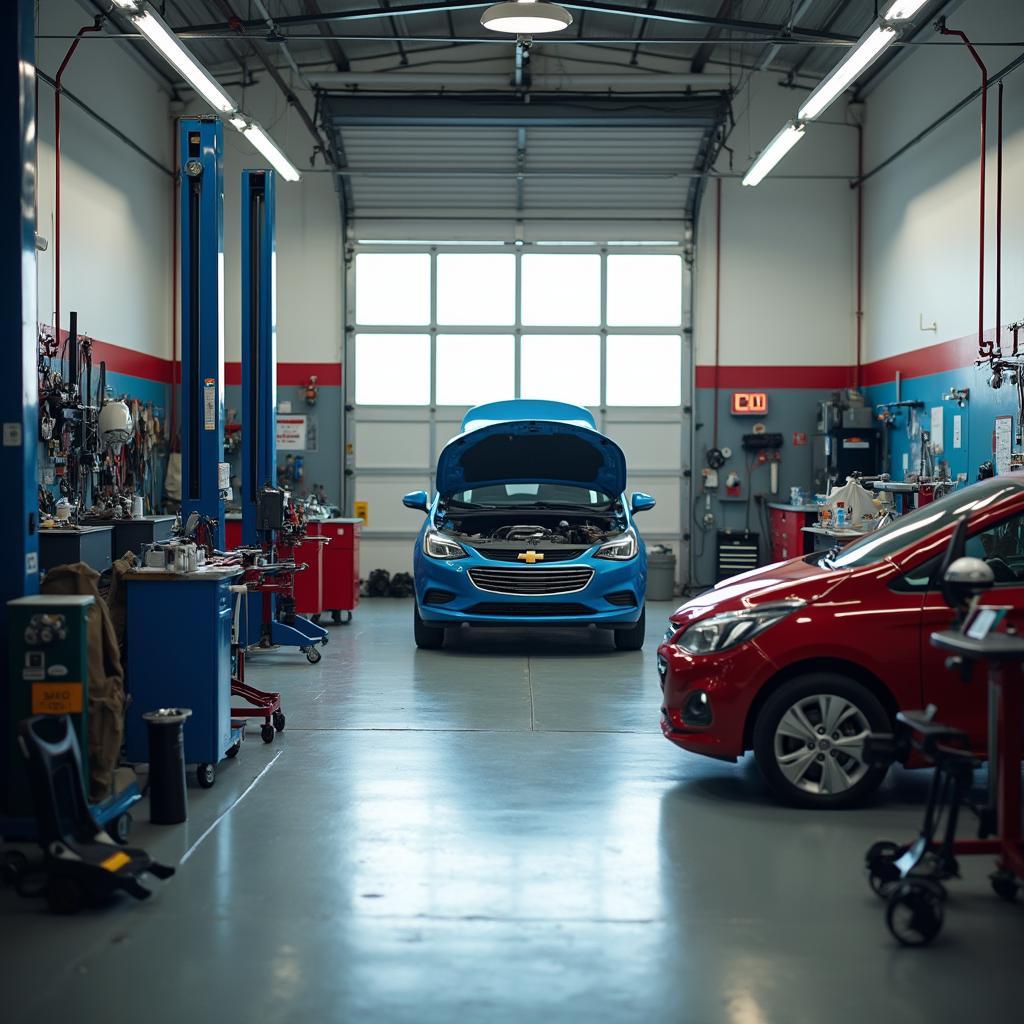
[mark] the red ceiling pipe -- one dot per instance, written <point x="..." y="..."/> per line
<point x="718" y="296"/>
<point x="94" y="27"/>
<point x="860" y="252"/>
<point x="984" y="347"/>
<point x="999" y="224"/>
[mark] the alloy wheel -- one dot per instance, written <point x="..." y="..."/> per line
<point x="819" y="744"/>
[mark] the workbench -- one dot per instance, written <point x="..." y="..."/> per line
<point x="133" y="534"/>
<point x="178" y="642"/>
<point x="67" y="545"/>
<point x="825" y="537"/>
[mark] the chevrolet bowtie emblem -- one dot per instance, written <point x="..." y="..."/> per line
<point x="529" y="557"/>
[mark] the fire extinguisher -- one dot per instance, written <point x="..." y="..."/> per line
<point x="312" y="390"/>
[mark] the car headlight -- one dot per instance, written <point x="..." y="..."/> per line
<point x="622" y="549"/>
<point x="719" y="632"/>
<point x="437" y="546"/>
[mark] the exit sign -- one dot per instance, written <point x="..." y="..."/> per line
<point x="749" y="403"/>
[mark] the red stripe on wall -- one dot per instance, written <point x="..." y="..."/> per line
<point x="946" y="355"/>
<point x="328" y="375"/>
<point x="763" y="377"/>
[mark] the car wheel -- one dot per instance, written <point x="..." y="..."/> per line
<point x="809" y="741"/>
<point x="429" y="638"/>
<point x="632" y="639"/>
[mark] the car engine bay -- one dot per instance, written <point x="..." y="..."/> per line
<point x="530" y="528"/>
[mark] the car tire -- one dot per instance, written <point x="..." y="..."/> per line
<point x="632" y="639"/>
<point x="805" y="765"/>
<point x="428" y="638"/>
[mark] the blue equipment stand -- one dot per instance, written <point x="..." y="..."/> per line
<point x="259" y="394"/>
<point x="202" y="322"/>
<point x="179" y="655"/>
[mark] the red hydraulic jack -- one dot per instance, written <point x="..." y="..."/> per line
<point x="910" y="876"/>
<point x="261" y="703"/>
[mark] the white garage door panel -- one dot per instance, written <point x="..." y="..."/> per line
<point x="664" y="517"/>
<point x="649" y="445"/>
<point x="446" y="430"/>
<point x="393" y="555"/>
<point x="384" y="493"/>
<point x="392" y="445"/>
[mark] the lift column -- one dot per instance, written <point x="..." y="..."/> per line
<point x="19" y="419"/>
<point x="259" y="344"/>
<point x="204" y="474"/>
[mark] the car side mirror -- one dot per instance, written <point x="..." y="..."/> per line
<point x="640" y="502"/>
<point x="418" y="500"/>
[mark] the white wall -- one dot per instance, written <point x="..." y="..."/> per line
<point x="116" y="206"/>
<point x="787" y="285"/>
<point x="309" y="270"/>
<point x="921" y="213"/>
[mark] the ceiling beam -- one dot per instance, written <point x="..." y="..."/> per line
<point x="671" y="17"/>
<point x="337" y="54"/>
<point x="704" y="51"/>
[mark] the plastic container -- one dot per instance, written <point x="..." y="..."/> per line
<point x="168" y="800"/>
<point x="661" y="573"/>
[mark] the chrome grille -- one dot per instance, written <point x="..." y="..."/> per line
<point x="536" y="580"/>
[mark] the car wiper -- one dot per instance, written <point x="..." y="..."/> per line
<point x="828" y="560"/>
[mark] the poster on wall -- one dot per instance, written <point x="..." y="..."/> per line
<point x="938" y="428"/>
<point x="1002" y="443"/>
<point x="291" y="433"/>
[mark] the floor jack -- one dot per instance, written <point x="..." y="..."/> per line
<point x="910" y="876"/>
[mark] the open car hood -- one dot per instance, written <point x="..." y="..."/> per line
<point x="528" y="441"/>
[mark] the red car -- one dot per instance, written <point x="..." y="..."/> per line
<point x="800" y="660"/>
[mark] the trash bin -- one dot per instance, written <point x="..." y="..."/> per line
<point x="661" y="573"/>
<point x="168" y="803"/>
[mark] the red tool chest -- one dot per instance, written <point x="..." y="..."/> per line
<point x="341" y="564"/>
<point x="787" y="537"/>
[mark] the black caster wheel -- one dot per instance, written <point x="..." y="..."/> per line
<point x="1004" y="885"/>
<point x="206" y="775"/>
<point x="267" y="733"/>
<point x="12" y="864"/>
<point x="120" y="828"/>
<point x="233" y="750"/>
<point x="315" y="619"/>
<point x="313" y="655"/>
<point x="324" y="641"/>
<point x="883" y="875"/>
<point x="336" y="617"/>
<point x="279" y="721"/>
<point x="64" y="895"/>
<point x="914" y="914"/>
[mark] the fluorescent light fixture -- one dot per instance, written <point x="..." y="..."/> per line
<point x="790" y="134"/>
<point x="237" y="121"/>
<point x="830" y="88"/>
<point x="903" y="9"/>
<point x="526" y="17"/>
<point x="266" y="145"/>
<point x="156" y="30"/>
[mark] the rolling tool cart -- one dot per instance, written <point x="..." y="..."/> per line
<point x="341" y="566"/>
<point x="179" y="654"/>
<point x="259" y="703"/>
<point x="910" y="876"/>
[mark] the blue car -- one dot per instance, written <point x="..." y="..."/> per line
<point x="530" y="527"/>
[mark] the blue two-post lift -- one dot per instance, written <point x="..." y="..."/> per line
<point x="259" y="391"/>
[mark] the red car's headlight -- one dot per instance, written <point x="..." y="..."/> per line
<point x="727" y="629"/>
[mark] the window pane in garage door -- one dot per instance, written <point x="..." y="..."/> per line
<point x="393" y="369"/>
<point x="475" y="368"/>
<point x="561" y="290"/>
<point x="476" y="289"/>
<point x="645" y="291"/>
<point x="644" y="369"/>
<point x="561" y="368"/>
<point x="393" y="288"/>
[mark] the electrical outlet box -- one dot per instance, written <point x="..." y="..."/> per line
<point x="710" y="478"/>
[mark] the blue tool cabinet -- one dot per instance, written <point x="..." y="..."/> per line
<point x="179" y="655"/>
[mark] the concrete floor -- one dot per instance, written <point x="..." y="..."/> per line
<point x="498" y="832"/>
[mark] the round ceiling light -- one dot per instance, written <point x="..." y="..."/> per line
<point x="526" y="17"/>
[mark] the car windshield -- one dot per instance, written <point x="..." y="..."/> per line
<point x="920" y="523"/>
<point x="531" y="495"/>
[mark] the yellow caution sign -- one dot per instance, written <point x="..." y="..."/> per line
<point x="361" y="510"/>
